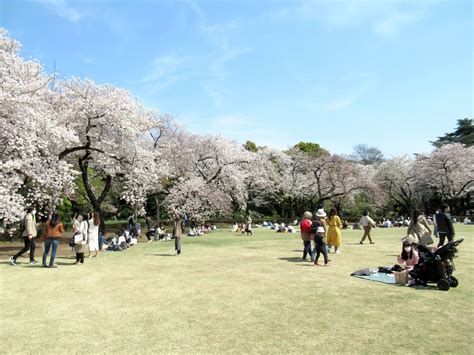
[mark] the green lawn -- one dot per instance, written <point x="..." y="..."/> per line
<point x="229" y="293"/>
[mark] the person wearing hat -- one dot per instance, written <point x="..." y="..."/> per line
<point x="305" y="227"/>
<point x="319" y="220"/>
<point x="321" y="247"/>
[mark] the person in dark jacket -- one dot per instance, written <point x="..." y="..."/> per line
<point x="444" y="225"/>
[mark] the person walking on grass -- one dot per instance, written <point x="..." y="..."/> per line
<point x="444" y="225"/>
<point x="248" y="225"/>
<point x="53" y="230"/>
<point x="321" y="247"/>
<point x="177" y="230"/>
<point x="93" y="234"/>
<point x="29" y="234"/>
<point x="81" y="236"/>
<point x="419" y="228"/>
<point x="366" y="223"/>
<point x="305" y="227"/>
<point x="334" y="225"/>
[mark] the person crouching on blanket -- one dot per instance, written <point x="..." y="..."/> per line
<point x="321" y="247"/>
<point x="409" y="255"/>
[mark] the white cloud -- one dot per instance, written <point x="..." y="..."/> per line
<point x="340" y="104"/>
<point x="232" y="122"/>
<point x="169" y="68"/>
<point x="382" y="17"/>
<point x="394" y="23"/>
<point x="217" y="95"/>
<point x="218" y="65"/>
<point x="63" y="9"/>
<point x="240" y="128"/>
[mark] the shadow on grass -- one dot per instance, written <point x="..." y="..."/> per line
<point x="5" y="249"/>
<point x="420" y="287"/>
<point x="158" y="254"/>
<point x="65" y="264"/>
<point x="65" y="257"/>
<point x="292" y="260"/>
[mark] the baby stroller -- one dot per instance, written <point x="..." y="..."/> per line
<point x="436" y="267"/>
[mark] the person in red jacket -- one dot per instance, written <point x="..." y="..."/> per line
<point x="305" y="227"/>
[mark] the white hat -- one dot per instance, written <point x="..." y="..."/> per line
<point x="320" y="230"/>
<point x="321" y="213"/>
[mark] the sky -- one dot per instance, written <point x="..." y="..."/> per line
<point x="390" y="74"/>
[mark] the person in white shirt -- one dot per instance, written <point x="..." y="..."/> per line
<point x="81" y="236"/>
<point x="93" y="234"/>
<point x="366" y="223"/>
<point x="235" y="227"/>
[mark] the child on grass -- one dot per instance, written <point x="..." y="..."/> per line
<point x="320" y="247"/>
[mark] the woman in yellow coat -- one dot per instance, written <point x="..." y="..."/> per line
<point x="333" y="234"/>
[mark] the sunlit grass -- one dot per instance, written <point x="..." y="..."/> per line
<point x="230" y="293"/>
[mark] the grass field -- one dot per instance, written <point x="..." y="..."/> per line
<point x="229" y="293"/>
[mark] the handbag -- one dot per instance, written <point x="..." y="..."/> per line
<point x="426" y="239"/>
<point x="78" y="239"/>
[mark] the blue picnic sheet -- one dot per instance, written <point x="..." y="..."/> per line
<point x="379" y="277"/>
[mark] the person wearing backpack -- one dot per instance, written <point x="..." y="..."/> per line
<point x="29" y="234"/>
<point x="305" y="227"/>
<point x="81" y="238"/>
<point x="53" y="230"/>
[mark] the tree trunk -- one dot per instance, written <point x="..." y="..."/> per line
<point x="96" y="202"/>
<point x="157" y="213"/>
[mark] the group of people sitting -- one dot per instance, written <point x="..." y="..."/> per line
<point x="280" y="227"/>
<point x="201" y="230"/>
<point x="245" y="228"/>
<point x="157" y="233"/>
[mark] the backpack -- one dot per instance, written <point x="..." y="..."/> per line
<point x="314" y="227"/>
<point x="22" y="227"/>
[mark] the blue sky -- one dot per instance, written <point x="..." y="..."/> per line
<point x="392" y="74"/>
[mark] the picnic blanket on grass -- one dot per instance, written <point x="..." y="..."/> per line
<point x="380" y="274"/>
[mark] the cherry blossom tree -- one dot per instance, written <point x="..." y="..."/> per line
<point x="448" y="172"/>
<point x="262" y="179"/>
<point x="209" y="175"/>
<point x="117" y="138"/>
<point x="398" y="178"/>
<point x="30" y="136"/>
